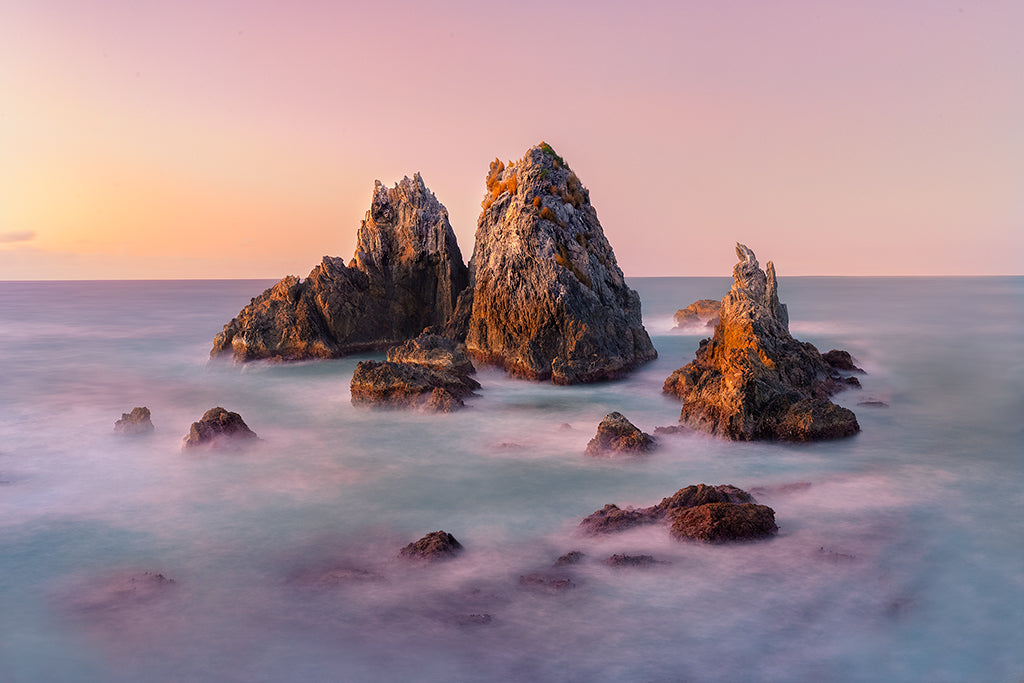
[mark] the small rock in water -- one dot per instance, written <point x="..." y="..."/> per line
<point x="546" y="581"/>
<point x="672" y="429"/>
<point x="873" y="403"/>
<point x="135" y="423"/>
<point x="724" y="522"/>
<point x="840" y="360"/>
<point x="571" y="557"/>
<point x="437" y="545"/>
<point x="700" y="314"/>
<point x="619" y="560"/>
<point x="219" y="428"/>
<point x="616" y="434"/>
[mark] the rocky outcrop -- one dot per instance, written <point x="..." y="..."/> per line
<point x="548" y="300"/>
<point x="753" y="380"/>
<point x="437" y="545"/>
<point x="700" y="314"/>
<point x="724" y="522"/>
<point x="219" y="428"/>
<point x="406" y="275"/>
<point x="616" y="434"/>
<point x="429" y="372"/>
<point x="840" y="360"/>
<point x="135" y="423"/>
<point x="613" y="518"/>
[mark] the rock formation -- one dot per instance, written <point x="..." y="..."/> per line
<point x="135" y="423"/>
<point x="699" y="314"/>
<point x="613" y="518"/>
<point x="430" y="371"/>
<point x="406" y="275"/>
<point x="547" y="300"/>
<point x="616" y="434"/>
<point x="437" y="545"/>
<point x="723" y="522"/>
<point x="753" y="380"/>
<point x="219" y="428"/>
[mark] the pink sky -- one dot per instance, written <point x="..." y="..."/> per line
<point x="242" y="139"/>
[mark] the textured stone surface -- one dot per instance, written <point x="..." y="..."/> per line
<point x="699" y="314"/>
<point x="135" y="423"/>
<point x="435" y="352"/>
<point x="613" y="518"/>
<point x="548" y="299"/>
<point x="616" y="434"/>
<point x="409" y="385"/>
<point x="724" y="522"/>
<point x="753" y="380"/>
<point x="406" y="275"/>
<point x="218" y="428"/>
<point x="437" y="545"/>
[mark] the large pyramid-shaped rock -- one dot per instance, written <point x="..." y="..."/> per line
<point x="406" y="275"/>
<point x="753" y="380"/>
<point x="548" y="300"/>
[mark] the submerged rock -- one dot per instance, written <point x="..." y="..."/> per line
<point x="548" y="300"/>
<point x="753" y="380"/>
<point x="135" y="423"/>
<point x="548" y="582"/>
<point x="437" y="545"/>
<point x="122" y="592"/>
<point x="616" y="434"/>
<point x="570" y="558"/>
<point x="612" y="518"/>
<point x="699" y="314"/>
<point x="219" y="428"/>
<point x="724" y="522"/>
<point x="621" y="560"/>
<point x="406" y="275"/>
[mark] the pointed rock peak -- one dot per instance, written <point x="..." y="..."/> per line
<point x="745" y="254"/>
<point x="749" y="281"/>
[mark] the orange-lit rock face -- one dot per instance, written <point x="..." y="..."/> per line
<point x="406" y="274"/>
<point x="752" y="380"/>
<point x="548" y="299"/>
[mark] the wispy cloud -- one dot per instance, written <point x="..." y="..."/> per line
<point x="21" y="236"/>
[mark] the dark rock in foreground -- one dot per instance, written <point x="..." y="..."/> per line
<point x="616" y="434"/>
<point x="548" y="300"/>
<point x="546" y="581"/>
<point x="219" y="428"/>
<point x="612" y="518"/>
<point x="699" y="314"/>
<point x="753" y="380"/>
<point x="571" y="557"/>
<point x="724" y="522"/>
<point x="406" y="275"/>
<point x="437" y="545"/>
<point x="135" y="423"/>
<point x="840" y="360"/>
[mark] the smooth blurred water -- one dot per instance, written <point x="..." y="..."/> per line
<point x="900" y="555"/>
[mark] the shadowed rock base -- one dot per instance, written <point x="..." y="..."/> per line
<point x="219" y="428"/>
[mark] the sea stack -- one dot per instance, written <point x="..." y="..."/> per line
<point x="406" y="275"/>
<point x="753" y="380"/>
<point x="548" y="300"/>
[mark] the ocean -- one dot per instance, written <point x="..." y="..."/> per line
<point x="900" y="554"/>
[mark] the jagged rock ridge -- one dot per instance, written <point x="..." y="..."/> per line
<point x="548" y="300"/>
<point x="753" y="380"/>
<point x="406" y="275"/>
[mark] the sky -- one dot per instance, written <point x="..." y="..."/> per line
<point x="242" y="139"/>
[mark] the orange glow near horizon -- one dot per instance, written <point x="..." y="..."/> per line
<point x="238" y="140"/>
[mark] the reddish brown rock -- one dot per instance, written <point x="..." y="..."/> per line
<point x="613" y="518"/>
<point x="219" y="428"/>
<point x="753" y="380"/>
<point x="406" y="275"/>
<point x="409" y="385"/>
<point x="724" y="522"/>
<point x="548" y="300"/>
<point x="616" y="434"/>
<point x="700" y="314"/>
<point x="135" y="423"/>
<point x="437" y="545"/>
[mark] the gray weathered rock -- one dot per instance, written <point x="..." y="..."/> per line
<point x="753" y="380"/>
<point x="135" y="423"/>
<point x="406" y="275"/>
<point x="548" y="299"/>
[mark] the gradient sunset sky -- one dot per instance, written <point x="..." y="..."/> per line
<point x="242" y="139"/>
